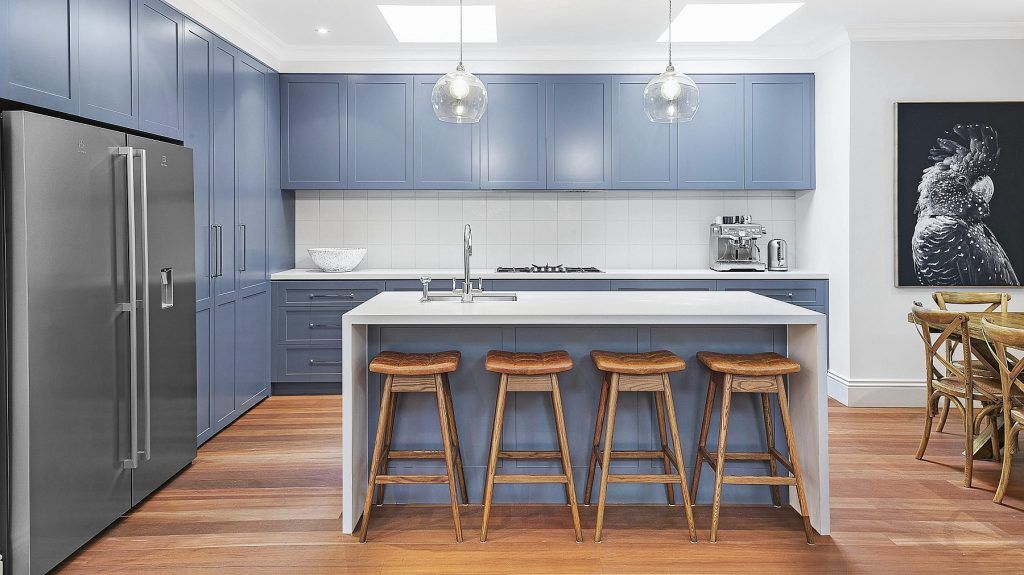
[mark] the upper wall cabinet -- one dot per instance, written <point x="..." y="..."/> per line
<point x="108" y="61"/>
<point x="380" y="132"/>
<point x="779" y="131"/>
<point x="711" y="145"/>
<point x="643" y="152"/>
<point x="314" y="131"/>
<point x="40" y="53"/>
<point x="251" y="170"/>
<point x="513" y="154"/>
<point x="160" y="69"/>
<point x="445" y="155"/>
<point x="579" y="132"/>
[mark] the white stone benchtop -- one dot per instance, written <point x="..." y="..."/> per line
<point x="611" y="274"/>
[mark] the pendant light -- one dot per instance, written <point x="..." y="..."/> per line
<point x="671" y="96"/>
<point x="459" y="97"/>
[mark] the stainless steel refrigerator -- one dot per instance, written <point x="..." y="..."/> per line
<point x="99" y="350"/>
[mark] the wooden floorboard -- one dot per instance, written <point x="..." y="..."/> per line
<point x="264" y="496"/>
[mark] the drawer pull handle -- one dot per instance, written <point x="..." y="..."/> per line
<point x="789" y="295"/>
<point x="316" y="362"/>
<point x="332" y="296"/>
<point x="324" y="326"/>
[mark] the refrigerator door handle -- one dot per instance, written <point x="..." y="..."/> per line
<point x="245" y="244"/>
<point x="133" y="326"/>
<point x="146" y="379"/>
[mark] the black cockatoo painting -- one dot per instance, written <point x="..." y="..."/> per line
<point x="952" y="245"/>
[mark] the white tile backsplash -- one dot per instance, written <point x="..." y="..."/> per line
<point x="608" y="229"/>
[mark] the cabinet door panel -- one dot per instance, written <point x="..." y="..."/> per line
<point x="579" y="132"/>
<point x="643" y="152"/>
<point x="107" y="61"/>
<point x="197" y="53"/>
<point x="204" y="366"/>
<point x="252" y="341"/>
<point x="513" y="154"/>
<point x="160" y="69"/>
<point x="711" y="145"/>
<point x="224" y="169"/>
<point x="223" y="396"/>
<point x="446" y="155"/>
<point x="779" y="131"/>
<point x="314" y="131"/>
<point x="380" y="132"/>
<point x="250" y="169"/>
<point x="42" y="53"/>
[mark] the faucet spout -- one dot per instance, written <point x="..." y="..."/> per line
<point x="467" y="283"/>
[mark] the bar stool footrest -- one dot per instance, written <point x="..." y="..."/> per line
<point x="757" y="480"/>
<point x="529" y="455"/>
<point x="642" y="478"/>
<point x="414" y="454"/>
<point x="517" y="478"/>
<point x="389" y="479"/>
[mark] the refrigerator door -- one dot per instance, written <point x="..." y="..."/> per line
<point x="167" y="401"/>
<point x="66" y="272"/>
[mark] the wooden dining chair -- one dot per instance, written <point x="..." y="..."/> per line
<point x="955" y="380"/>
<point x="994" y="301"/>
<point x="1012" y="388"/>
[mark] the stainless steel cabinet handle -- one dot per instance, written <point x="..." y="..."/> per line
<point x="219" y="234"/>
<point x="317" y="362"/>
<point x="213" y="251"/>
<point x="789" y="295"/>
<point x="331" y="296"/>
<point x="133" y="323"/>
<point x="245" y="244"/>
<point x="146" y="379"/>
<point x="324" y="326"/>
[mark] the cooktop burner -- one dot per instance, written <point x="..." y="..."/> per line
<point x="549" y="269"/>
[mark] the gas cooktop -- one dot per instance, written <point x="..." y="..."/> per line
<point x="549" y="269"/>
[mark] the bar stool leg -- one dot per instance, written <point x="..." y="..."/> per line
<point x="455" y="438"/>
<point x="660" y="408"/>
<point x="968" y="442"/>
<point x="378" y="448"/>
<point x="677" y="450"/>
<point x="606" y="458"/>
<point x="563" y="448"/>
<point x="702" y="442"/>
<point x="393" y="408"/>
<point x="595" y="447"/>
<point x="449" y="458"/>
<point x="723" y="432"/>
<point x="793" y="458"/>
<point x="492" y="461"/>
<point x="769" y="431"/>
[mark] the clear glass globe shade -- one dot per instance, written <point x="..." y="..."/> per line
<point x="671" y="97"/>
<point x="459" y="97"/>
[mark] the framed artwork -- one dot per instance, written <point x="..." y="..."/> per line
<point x="959" y="193"/>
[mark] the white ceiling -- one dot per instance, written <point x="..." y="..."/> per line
<point x="549" y="35"/>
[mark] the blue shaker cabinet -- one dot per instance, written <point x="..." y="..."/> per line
<point x="36" y="32"/>
<point x="314" y="131"/>
<point x="513" y="151"/>
<point x="445" y="155"/>
<point x="380" y="132"/>
<point x="643" y="152"/>
<point x="779" y="118"/>
<point x="108" y="61"/>
<point x="711" y="145"/>
<point x="160" y="69"/>
<point x="250" y="167"/>
<point x="579" y="132"/>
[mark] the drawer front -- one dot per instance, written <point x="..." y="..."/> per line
<point x="549" y="285"/>
<point x="663" y="285"/>
<point x="799" y="292"/>
<point x="300" y="361"/>
<point x="326" y="296"/>
<point x="795" y="296"/>
<point x="312" y="324"/>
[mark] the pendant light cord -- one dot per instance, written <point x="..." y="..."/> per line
<point x="460" y="35"/>
<point x="669" y="33"/>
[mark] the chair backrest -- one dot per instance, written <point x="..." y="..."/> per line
<point x="937" y="329"/>
<point x="1002" y="337"/>
<point x="995" y="301"/>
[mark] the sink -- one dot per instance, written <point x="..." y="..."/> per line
<point x="450" y="296"/>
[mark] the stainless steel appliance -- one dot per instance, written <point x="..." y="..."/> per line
<point x="777" y="256"/>
<point x="734" y="244"/>
<point x="99" y="397"/>
<point x="550" y="269"/>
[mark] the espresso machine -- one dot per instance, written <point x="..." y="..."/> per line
<point x="734" y="244"/>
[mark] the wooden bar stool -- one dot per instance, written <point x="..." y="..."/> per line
<point x="529" y="372"/>
<point x="751" y="373"/>
<point x="637" y="372"/>
<point x="415" y="373"/>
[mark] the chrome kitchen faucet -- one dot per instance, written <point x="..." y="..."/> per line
<point x="468" y="293"/>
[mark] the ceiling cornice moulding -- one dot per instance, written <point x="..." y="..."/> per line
<point x="924" y="32"/>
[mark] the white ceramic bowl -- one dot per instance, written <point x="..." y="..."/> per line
<point x="337" y="259"/>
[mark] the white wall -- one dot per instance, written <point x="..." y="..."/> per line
<point x="885" y="354"/>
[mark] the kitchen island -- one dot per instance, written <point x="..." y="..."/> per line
<point x="683" y="322"/>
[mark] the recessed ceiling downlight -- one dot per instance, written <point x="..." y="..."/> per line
<point x="322" y="30"/>
<point x="728" y="22"/>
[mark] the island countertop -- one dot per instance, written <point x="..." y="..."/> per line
<point x="608" y="274"/>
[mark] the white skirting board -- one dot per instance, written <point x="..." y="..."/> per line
<point x="875" y="392"/>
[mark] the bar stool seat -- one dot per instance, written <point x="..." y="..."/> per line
<point x="749" y="364"/>
<point x="647" y="363"/>
<point x="516" y="363"/>
<point x="396" y="363"/>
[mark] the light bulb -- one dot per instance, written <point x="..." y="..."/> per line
<point x="460" y="110"/>
<point x="671" y="110"/>
<point x="459" y="88"/>
<point x="670" y="89"/>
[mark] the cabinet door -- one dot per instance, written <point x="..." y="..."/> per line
<point x="251" y="171"/>
<point x="380" y="132"/>
<point x="252" y="344"/>
<point x="446" y="155"/>
<point x="224" y="221"/>
<point x="197" y="55"/>
<point x="313" y="131"/>
<point x="107" y="57"/>
<point x="160" y="69"/>
<point x="711" y="145"/>
<point x="513" y="154"/>
<point x="40" y="53"/>
<point x="579" y="132"/>
<point x="643" y="152"/>
<point x="779" y="131"/>
<point x="223" y="393"/>
<point x="204" y="372"/>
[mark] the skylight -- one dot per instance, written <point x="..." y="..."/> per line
<point x="727" y="22"/>
<point x="441" y="23"/>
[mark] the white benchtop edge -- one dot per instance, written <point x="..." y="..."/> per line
<point x="611" y="274"/>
